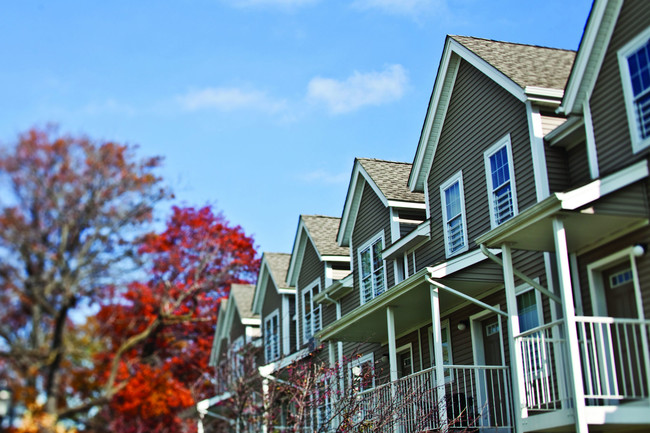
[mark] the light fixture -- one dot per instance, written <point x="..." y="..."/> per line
<point x="462" y="325"/>
<point x="639" y="250"/>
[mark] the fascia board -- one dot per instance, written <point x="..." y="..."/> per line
<point x="406" y="204"/>
<point x="223" y="327"/>
<point x="351" y="208"/>
<point x="336" y="258"/>
<point x="586" y="194"/>
<point x="260" y="286"/>
<point x="591" y="54"/>
<point x="458" y="263"/>
<point x="251" y="322"/>
<point x="415" y="177"/>
<point x="439" y="104"/>
<point x="295" y="252"/>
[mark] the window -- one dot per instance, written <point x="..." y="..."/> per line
<point x="272" y="336"/>
<point x="236" y="357"/>
<point x="311" y="316"/>
<point x="500" y="181"/>
<point x="453" y="215"/>
<point x="446" y="347"/>
<point x="362" y="373"/>
<point x="634" y="63"/>
<point x="371" y="269"/>
<point x="528" y="310"/>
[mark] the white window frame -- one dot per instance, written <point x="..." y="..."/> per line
<point x="356" y="363"/>
<point x="315" y="320"/>
<point x="368" y="245"/>
<point x="237" y="360"/>
<point x="408" y="347"/>
<point x="444" y="328"/>
<point x="638" y="143"/>
<point x="457" y="178"/>
<point x="503" y="142"/>
<point x="268" y="321"/>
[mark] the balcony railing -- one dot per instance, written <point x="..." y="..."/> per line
<point x="614" y="357"/>
<point x="473" y="397"/>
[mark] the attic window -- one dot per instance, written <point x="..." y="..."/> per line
<point x="371" y="268"/>
<point x="500" y="179"/>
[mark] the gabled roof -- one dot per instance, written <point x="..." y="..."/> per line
<point x="321" y="231"/>
<point x="593" y="46"/>
<point x="243" y="296"/>
<point x="388" y="179"/>
<point x="239" y="299"/>
<point x="273" y="266"/>
<point x="526" y="65"/>
<point x="527" y="72"/>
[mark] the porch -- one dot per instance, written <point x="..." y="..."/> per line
<point x="615" y="373"/>
<point x="468" y="398"/>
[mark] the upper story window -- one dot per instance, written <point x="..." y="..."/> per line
<point x="634" y="62"/>
<point x="311" y="323"/>
<point x="272" y="336"/>
<point x="453" y="215"/>
<point x="237" y="358"/>
<point x="500" y="181"/>
<point x="371" y="268"/>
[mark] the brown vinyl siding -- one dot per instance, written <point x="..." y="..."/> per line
<point x="272" y="301"/>
<point x="641" y="236"/>
<point x="237" y="330"/>
<point x="311" y="269"/>
<point x="557" y="167"/>
<point x="578" y="162"/>
<point x="480" y="113"/>
<point x="607" y="104"/>
<point x="372" y="218"/>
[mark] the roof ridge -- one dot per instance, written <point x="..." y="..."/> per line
<point x="384" y="160"/>
<point x="513" y="43"/>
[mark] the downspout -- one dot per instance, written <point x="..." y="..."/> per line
<point x="521" y="275"/>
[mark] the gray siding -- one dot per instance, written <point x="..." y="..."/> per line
<point x="272" y="301"/>
<point x="311" y="268"/>
<point x="372" y="218"/>
<point x="607" y="104"/>
<point x="578" y="164"/>
<point x="480" y="113"/>
<point x="557" y="166"/>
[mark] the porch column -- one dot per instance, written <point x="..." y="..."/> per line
<point x="574" y="370"/>
<point x="437" y="353"/>
<point x="333" y="380"/>
<point x="392" y="348"/>
<point x="516" y="358"/>
<point x="266" y="402"/>
<point x="392" y="359"/>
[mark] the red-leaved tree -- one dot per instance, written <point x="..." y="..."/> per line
<point x="159" y="331"/>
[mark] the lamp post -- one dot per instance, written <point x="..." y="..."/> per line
<point x="5" y="405"/>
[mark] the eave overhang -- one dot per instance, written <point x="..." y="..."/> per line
<point x="367" y="323"/>
<point x="336" y="290"/>
<point x="585" y="227"/>
<point x="417" y="237"/>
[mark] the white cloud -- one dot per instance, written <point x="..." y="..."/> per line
<point x="230" y="99"/>
<point x="401" y="7"/>
<point x="323" y="176"/>
<point x="360" y="89"/>
<point x="287" y="4"/>
<point x="109" y="106"/>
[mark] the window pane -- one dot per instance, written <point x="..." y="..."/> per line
<point x="376" y="252"/>
<point x="365" y="263"/>
<point x="499" y="167"/>
<point x="452" y="201"/>
<point x="527" y="310"/>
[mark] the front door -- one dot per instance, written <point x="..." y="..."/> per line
<point x="490" y="407"/>
<point x="621" y="342"/>
<point x="619" y="291"/>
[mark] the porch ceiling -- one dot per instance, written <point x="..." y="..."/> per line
<point x="411" y="302"/>
<point x="582" y="229"/>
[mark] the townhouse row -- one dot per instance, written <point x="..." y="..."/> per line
<point x="501" y="280"/>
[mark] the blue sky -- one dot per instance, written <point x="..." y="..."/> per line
<point x="258" y="106"/>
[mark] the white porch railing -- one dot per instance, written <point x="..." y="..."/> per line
<point x="542" y="351"/>
<point x="614" y="356"/>
<point x="474" y="396"/>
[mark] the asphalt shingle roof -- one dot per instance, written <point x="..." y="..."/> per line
<point x="279" y="266"/>
<point x="391" y="178"/>
<point x="243" y="296"/>
<point x="526" y="65"/>
<point x="323" y="230"/>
